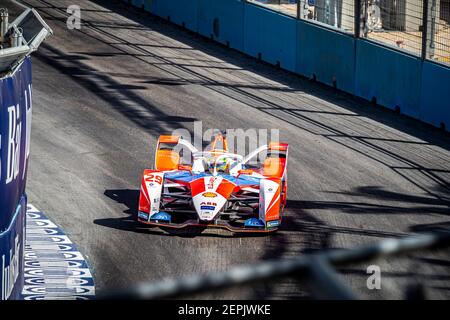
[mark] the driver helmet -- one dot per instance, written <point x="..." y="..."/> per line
<point x="222" y="165"/>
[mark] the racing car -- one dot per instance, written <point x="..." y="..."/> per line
<point x="215" y="188"/>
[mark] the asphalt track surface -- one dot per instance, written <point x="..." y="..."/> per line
<point x="102" y="96"/>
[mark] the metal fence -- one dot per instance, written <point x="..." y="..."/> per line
<point x="336" y="13"/>
<point x="288" y="7"/>
<point x="318" y="269"/>
<point x="419" y="27"/>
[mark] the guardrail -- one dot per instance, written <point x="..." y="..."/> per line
<point x="318" y="268"/>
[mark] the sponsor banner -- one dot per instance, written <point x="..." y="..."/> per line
<point x="54" y="268"/>
<point x="15" y="129"/>
<point x="12" y="255"/>
<point x="15" y="126"/>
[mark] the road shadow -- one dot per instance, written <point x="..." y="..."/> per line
<point x="410" y="205"/>
<point x="130" y="199"/>
<point x="123" y="98"/>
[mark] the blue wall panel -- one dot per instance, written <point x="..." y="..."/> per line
<point x="137" y="3"/>
<point x="12" y="242"/>
<point x="180" y="11"/>
<point x="230" y="17"/>
<point x="270" y="34"/>
<point x="392" y="77"/>
<point x="327" y="54"/>
<point x="435" y="100"/>
<point x="15" y="126"/>
<point x="148" y="5"/>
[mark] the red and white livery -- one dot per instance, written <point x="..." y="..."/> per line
<point x="216" y="188"/>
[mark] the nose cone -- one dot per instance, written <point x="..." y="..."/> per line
<point x="208" y="204"/>
<point x="210" y="195"/>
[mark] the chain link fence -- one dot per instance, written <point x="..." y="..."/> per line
<point x="335" y="13"/>
<point x="288" y="7"/>
<point x="396" y="23"/>
<point x="440" y="31"/>
<point x="418" y="27"/>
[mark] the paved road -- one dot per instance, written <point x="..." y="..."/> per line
<point x="103" y="94"/>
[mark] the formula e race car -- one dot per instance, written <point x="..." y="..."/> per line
<point x="216" y="188"/>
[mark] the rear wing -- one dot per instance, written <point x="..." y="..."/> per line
<point x="278" y="148"/>
<point x="276" y="161"/>
<point x="274" y="148"/>
<point x="275" y="164"/>
<point x="167" y="156"/>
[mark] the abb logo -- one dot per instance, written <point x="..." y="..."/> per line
<point x="208" y="204"/>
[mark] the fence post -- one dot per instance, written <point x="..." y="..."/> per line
<point x="357" y="18"/>
<point x="425" y="35"/>
<point x="428" y="28"/>
<point x="298" y="9"/>
<point x="432" y="14"/>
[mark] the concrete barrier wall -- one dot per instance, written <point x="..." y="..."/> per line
<point x="137" y="3"/>
<point x="435" y="99"/>
<point x="396" y="80"/>
<point x="15" y="127"/>
<point x="271" y="36"/>
<point x="393" y="78"/>
<point x="180" y="12"/>
<point x="222" y="20"/>
<point x="327" y="55"/>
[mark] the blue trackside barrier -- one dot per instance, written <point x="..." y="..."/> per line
<point x="223" y="20"/>
<point x="392" y="77"/>
<point x="327" y="55"/>
<point x="270" y="36"/>
<point x="12" y="242"/>
<point x="137" y="3"/>
<point x="15" y="126"/>
<point x="180" y="12"/>
<point x="148" y="5"/>
<point x="435" y="100"/>
<point x="396" y="80"/>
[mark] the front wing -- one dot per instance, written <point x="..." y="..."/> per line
<point x="214" y="225"/>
